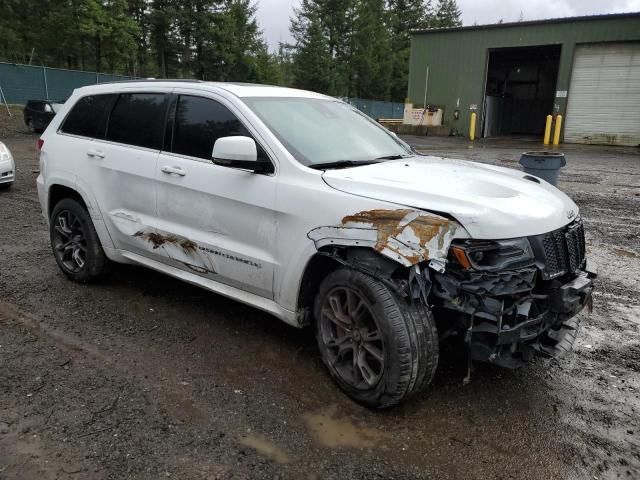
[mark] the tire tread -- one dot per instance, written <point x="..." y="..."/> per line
<point x="415" y="333"/>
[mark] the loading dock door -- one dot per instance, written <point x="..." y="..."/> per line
<point x="520" y="89"/>
<point x="604" y="96"/>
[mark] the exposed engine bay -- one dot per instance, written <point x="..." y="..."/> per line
<point x="516" y="298"/>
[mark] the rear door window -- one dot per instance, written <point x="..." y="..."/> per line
<point x="88" y="116"/>
<point x="138" y="119"/>
<point x="199" y="122"/>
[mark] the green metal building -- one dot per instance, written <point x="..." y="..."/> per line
<point x="513" y="75"/>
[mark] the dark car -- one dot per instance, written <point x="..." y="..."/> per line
<point x="39" y="113"/>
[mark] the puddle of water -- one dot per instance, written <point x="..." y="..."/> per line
<point x="265" y="448"/>
<point x="335" y="433"/>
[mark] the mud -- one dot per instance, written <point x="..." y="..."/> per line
<point x="147" y="377"/>
<point x="158" y="240"/>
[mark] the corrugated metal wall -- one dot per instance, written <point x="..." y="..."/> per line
<point x="604" y="105"/>
<point x="26" y="82"/>
<point x="457" y="59"/>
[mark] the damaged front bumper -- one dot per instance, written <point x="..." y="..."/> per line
<point x="509" y="317"/>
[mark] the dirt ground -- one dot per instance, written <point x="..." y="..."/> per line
<point x="146" y="377"/>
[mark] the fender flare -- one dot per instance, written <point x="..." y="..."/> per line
<point x="407" y="236"/>
<point x="72" y="183"/>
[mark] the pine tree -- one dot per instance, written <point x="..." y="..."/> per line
<point x="334" y="21"/>
<point x="268" y="69"/>
<point x="240" y="40"/>
<point x="284" y="59"/>
<point x="120" y="47"/>
<point x="405" y="16"/>
<point x="164" y="36"/>
<point x="312" y="59"/>
<point x="372" y="62"/>
<point x="448" y="14"/>
<point x="138" y="11"/>
<point x="337" y="20"/>
<point x="341" y="47"/>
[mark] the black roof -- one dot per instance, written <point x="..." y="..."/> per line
<point x="608" y="16"/>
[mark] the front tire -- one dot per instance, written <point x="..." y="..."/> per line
<point x="75" y="243"/>
<point x="378" y="348"/>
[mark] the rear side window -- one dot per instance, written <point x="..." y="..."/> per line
<point x="199" y="122"/>
<point x="138" y="119"/>
<point x="88" y="115"/>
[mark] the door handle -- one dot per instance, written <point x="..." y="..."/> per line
<point x="95" y="154"/>
<point x="173" y="171"/>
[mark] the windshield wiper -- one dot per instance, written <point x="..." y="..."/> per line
<point x="393" y="157"/>
<point x="342" y="164"/>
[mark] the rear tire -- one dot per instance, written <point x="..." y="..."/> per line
<point x="378" y="348"/>
<point x="75" y="243"/>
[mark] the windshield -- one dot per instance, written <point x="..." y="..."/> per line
<point x="322" y="131"/>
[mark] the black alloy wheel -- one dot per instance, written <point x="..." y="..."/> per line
<point x="69" y="241"/>
<point x="354" y="341"/>
<point x="379" y="348"/>
<point x="75" y="242"/>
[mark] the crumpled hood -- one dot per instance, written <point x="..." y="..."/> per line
<point x="490" y="202"/>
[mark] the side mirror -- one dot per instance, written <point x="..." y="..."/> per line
<point x="237" y="152"/>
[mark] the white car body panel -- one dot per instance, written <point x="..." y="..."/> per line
<point x="251" y="236"/>
<point x="491" y="202"/>
<point x="7" y="165"/>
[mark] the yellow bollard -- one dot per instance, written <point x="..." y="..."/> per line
<point x="556" y="133"/>
<point x="472" y="127"/>
<point x="547" y="130"/>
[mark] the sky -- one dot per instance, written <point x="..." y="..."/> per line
<point x="273" y="15"/>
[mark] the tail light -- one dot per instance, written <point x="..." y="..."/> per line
<point x="40" y="144"/>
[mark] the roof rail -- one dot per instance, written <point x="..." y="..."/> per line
<point x="151" y="80"/>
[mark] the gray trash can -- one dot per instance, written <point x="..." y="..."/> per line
<point x="545" y="165"/>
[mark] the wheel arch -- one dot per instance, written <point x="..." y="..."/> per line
<point x="59" y="192"/>
<point x="407" y="236"/>
<point x="330" y="258"/>
<point x="60" y="188"/>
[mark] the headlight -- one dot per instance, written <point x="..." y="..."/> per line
<point x="492" y="254"/>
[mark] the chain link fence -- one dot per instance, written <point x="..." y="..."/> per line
<point x="378" y="109"/>
<point x="20" y="83"/>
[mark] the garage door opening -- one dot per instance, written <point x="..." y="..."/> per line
<point x="520" y="90"/>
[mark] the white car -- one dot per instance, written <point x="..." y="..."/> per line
<point x="300" y="205"/>
<point x="7" y="167"/>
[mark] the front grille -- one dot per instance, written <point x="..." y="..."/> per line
<point x="561" y="251"/>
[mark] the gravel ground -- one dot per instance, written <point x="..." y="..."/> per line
<point x="11" y="121"/>
<point x="146" y="377"/>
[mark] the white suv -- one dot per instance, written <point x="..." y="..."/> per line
<point x="299" y="205"/>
